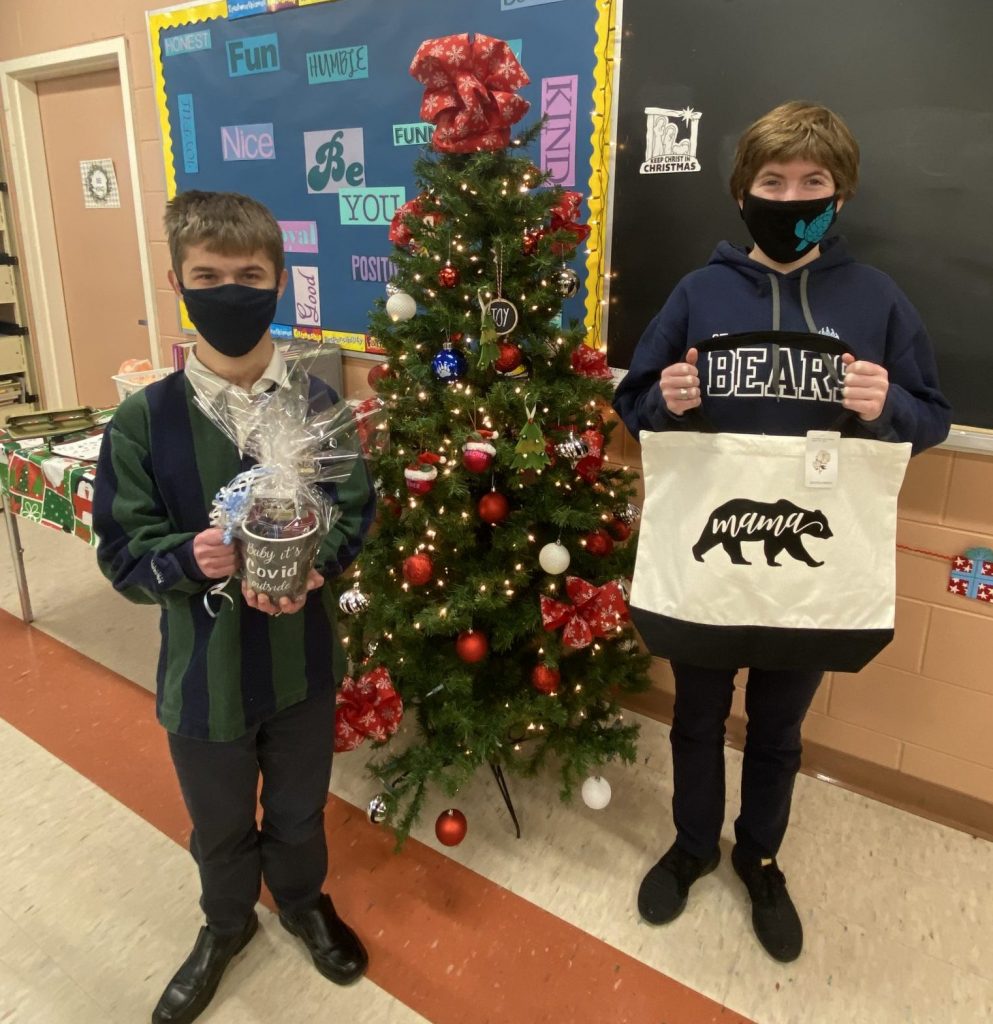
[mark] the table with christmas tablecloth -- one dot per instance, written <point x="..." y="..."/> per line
<point x="41" y="486"/>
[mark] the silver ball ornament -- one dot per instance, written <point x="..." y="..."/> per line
<point x="392" y="288"/>
<point x="378" y="809"/>
<point x="572" y="448"/>
<point x="353" y="601"/>
<point x="628" y="514"/>
<point x="567" y="282"/>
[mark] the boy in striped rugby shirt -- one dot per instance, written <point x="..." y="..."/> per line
<point x="253" y="690"/>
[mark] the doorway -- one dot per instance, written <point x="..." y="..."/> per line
<point x="95" y="228"/>
<point x="88" y="269"/>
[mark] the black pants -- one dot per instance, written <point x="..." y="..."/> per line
<point x="776" y="703"/>
<point x="292" y="750"/>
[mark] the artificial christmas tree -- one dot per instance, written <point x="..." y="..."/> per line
<point x="501" y="662"/>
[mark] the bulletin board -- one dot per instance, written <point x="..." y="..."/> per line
<point x="913" y="80"/>
<point x="309" y="107"/>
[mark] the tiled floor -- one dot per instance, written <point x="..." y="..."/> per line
<point x="99" y="895"/>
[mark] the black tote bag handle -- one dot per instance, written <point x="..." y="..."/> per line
<point x="696" y="419"/>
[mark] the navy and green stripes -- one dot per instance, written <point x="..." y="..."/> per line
<point x="161" y="464"/>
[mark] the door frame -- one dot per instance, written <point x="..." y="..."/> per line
<point x="33" y="204"/>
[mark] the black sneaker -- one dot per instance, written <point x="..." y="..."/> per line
<point x="664" y="889"/>
<point x="774" y="918"/>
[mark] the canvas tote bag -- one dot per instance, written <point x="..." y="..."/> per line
<point x="741" y="563"/>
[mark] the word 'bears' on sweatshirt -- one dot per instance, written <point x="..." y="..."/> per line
<point x="161" y="464"/>
<point x="763" y="388"/>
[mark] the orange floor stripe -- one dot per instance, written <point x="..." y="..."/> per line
<point x="446" y="941"/>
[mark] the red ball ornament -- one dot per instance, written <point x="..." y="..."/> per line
<point x="379" y="372"/>
<point x="618" y="530"/>
<point x="545" y="678"/>
<point x="599" y="543"/>
<point x="451" y="827"/>
<point x="509" y="359"/>
<point x="448" y="276"/>
<point x="493" y="508"/>
<point x="472" y="646"/>
<point x="417" y="569"/>
<point x="531" y="240"/>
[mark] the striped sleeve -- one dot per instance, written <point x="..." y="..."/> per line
<point x="139" y="549"/>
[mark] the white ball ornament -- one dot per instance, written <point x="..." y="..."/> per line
<point x="554" y="558"/>
<point x="596" y="793"/>
<point x="401" y="306"/>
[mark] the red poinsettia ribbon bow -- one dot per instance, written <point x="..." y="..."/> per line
<point x="595" y="611"/>
<point x="368" y="707"/>
<point x="400" y="233"/>
<point x="565" y="217"/>
<point x="470" y="91"/>
<point x="591" y="362"/>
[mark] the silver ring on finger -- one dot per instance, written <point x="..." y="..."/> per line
<point x="683" y="394"/>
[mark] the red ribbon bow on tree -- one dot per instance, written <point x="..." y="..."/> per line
<point x="469" y="93"/>
<point x="565" y="216"/>
<point x="400" y="233"/>
<point x="595" y="611"/>
<point x="368" y="707"/>
<point x="590" y="465"/>
<point x="422" y="207"/>
<point x="591" y="362"/>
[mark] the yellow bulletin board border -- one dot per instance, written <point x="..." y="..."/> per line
<point x="603" y="101"/>
<point x="600" y="164"/>
<point x="158" y="20"/>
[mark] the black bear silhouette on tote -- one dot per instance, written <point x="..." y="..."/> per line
<point x="780" y="526"/>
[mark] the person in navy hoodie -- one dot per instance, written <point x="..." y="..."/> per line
<point x="794" y="170"/>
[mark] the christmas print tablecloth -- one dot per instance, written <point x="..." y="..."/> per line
<point x="47" y="488"/>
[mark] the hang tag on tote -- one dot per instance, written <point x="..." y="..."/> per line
<point x="821" y="458"/>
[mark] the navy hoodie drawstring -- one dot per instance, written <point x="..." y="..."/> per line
<point x="807" y="316"/>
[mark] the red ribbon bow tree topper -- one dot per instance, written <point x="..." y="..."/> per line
<point x="594" y="612"/>
<point x="368" y="707"/>
<point x="470" y="91"/>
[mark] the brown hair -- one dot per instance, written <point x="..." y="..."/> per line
<point x="797" y="131"/>
<point x="224" y="222"/>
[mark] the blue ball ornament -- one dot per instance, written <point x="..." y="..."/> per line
<point x="449" y="364"/>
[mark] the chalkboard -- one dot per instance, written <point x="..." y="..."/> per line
<point x="250" y="90"/>
<point x="914" y="81"/>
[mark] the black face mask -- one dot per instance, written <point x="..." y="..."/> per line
<point x="231" y="317"/>
<point x="786" y="231"/>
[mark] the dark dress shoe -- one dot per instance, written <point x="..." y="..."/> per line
<point x="194" y="984"/>
<point x="334" y="947"/>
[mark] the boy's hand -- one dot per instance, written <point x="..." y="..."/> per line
<point x="866" y="385"/>
<point x="680" y="384"/>
<point x="215" y="558"/>
<point x="286" y="605"/>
